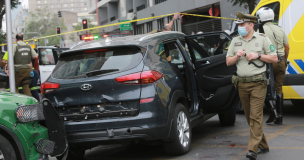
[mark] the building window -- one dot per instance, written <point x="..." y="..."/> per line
<point x="52" y="6"/>
<point x="112" y="18"/>
<point x="71" y="0"/>
<point x="160" y="24"/>
<point x="59" y="5"/>
<point x="141" y="7"/>
<point x="159" y="1"/>
<point x="140" y="29"/>
<point x="72" y="9"/>
<point x="85" y="4"/>
<point x="65" y="5"/>
<point x="45" y="1"/>
<point x="85" y="9"/>
<point x="38" y="2"/>
<point x="66" y="9"/>
<point x="78" y="9"/>
<point x="149" y="27"/>
<point x="78" y="4"/>
<point x="58" y="0"/>
<point x="72" y="4"/>
<point x="38" y="7"/>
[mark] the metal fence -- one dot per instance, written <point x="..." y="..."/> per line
<point x="204" y="26"/>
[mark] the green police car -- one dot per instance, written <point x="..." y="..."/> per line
<point x="29" y="130"/>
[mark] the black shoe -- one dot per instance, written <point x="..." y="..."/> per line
<point x="260" y="150"/>
<point x="251" y="155"/>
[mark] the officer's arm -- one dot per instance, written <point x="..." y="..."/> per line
<point x="269" y="58"/>
<point x="3" y="62"/>
<point x="34" y="53"/>
<point x="232" y="60"/>
<point x="31" y="65"/>
<point x="286" y="46"/>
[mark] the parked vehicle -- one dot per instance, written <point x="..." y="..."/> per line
<point x="125" y="90"/>
<point x="29" y="130"/>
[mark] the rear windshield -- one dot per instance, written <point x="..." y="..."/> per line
<point x="76" y="65"/>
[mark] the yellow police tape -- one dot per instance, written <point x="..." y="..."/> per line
<point x="136" y="20"/>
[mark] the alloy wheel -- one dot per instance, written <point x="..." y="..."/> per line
<point x="183" y="129"/>
<point x="1" y="156"/>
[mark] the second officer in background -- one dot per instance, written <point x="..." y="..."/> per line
<point x="250" y="80"/>
<point x="279" y="39"/>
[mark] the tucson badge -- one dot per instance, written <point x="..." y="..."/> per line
<point x="86" y="87"/>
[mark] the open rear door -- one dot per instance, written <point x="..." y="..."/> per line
<point x="216" y="91"/>
<point x="48" y="61"/>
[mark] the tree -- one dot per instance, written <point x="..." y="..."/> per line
<point x="44" y="22"/>
<point x="247" y="4"/>
<point x="14" y="4"/>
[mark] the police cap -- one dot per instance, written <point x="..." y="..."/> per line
<point x="242" y="18"/>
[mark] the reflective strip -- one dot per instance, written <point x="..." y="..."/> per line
<point x="300" y="63"/>
<point x="34" y="88"/>
<point x="8" y="89"/>
<point x="297" y="92"/>
<point x="19" y="88"/>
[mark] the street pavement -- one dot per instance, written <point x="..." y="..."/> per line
<point x="211" y="141"/>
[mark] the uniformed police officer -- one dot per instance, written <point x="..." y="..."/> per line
<point x="279" y="39"/>
<point x="23" y="54"/>
<point x="250" y="80"/>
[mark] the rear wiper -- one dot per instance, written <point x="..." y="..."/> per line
<point x="98" y="72"/>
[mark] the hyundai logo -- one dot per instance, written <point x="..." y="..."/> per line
<point x="86" y="87"/>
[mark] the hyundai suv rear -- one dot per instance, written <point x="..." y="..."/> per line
<point x="127" y="90"/>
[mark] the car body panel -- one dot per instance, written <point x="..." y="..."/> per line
<point x="27" y="133"/>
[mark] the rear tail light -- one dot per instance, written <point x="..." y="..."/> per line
<point x="144" y="77"/>
<point x="48" y="87"/>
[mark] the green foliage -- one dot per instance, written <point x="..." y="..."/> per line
<point x="79" y="26"/>
<point x="14" y="4"/>
<point x="246" y="3"/>
<point x="44" y="22"/>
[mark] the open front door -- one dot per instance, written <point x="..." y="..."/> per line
<point x="215" y="89"/>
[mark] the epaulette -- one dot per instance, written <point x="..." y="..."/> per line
<point x="263" y="34"/>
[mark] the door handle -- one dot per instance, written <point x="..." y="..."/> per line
<point x="205" y="62"/>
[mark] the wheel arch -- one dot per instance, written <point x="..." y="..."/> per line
<point x="178" y="96"/>
<point x="13" y="139"/>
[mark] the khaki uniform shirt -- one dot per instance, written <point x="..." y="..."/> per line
<point x="21" y="43"/>
<point x="259" y="43"/>
<point x="280" y="38"/>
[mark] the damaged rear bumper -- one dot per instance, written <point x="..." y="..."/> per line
<point x="121" y="135"/>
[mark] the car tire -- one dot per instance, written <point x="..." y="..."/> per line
<point x="7" y="151"/>
<point x="73" y="155"/>
<point x="181" y="123"/>
<point x="227" y="119"/>
<point x="298" y="102"/>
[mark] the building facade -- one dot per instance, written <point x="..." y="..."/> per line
<point x="112" y="11"/>
<point x="76" y="6"/>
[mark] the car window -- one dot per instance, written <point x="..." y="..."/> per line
<point x="186" y="48"/>
<point x="47" y="58"/>
<point x="172" y="50"/>
<point x="211" y="44"/>
<point x="76" y="65"/>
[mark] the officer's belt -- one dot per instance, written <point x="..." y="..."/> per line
<point x="255" y="78"/>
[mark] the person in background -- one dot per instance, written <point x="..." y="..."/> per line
<point x="168" y="26"/>
<point x="46" y="58"/>
<point x="23" y="54"/>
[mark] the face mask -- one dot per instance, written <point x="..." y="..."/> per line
<point x="43" y="53"/>
<point x="242" y="31"/>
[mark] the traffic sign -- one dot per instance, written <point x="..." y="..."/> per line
<point x="125" y="26"/>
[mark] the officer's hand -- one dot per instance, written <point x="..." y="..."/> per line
<point x="252" y="56"/>
<point x="32" y="74"/>
<point x="241" y="53"/>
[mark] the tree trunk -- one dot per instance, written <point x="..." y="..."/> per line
<point x="251" y="5"/>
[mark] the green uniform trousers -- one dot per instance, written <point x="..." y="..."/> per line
<point x="279" y="70"/>
<point x="252" y="96"/>
<point x="22" y="78"/>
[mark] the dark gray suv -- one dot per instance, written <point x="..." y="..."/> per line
<point x="143" y="88"/>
